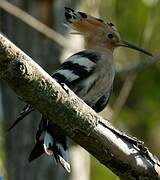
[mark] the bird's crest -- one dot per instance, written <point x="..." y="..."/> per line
<point x="85" y="23"/>
<point x="96" y="32"/>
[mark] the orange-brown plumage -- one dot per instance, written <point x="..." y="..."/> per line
<point x="94" y="31"/>
<point x="97" y="34"/>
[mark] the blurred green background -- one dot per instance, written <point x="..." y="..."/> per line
<point x="135" y="103"/>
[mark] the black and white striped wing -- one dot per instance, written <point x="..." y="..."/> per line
<point x="101" y="103"/>
<point x="76" y="68"/>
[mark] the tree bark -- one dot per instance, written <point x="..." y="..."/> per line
<point x="126" y="156"/>
<point x="49" y="12"/>
<point x="47" y="54"/>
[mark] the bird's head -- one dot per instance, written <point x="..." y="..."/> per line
<point x="96" y="32"/>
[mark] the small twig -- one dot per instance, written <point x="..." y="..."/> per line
<point x="34" y="23"/>
<point x="123" y="95"/>
<point x="138" y="66"/>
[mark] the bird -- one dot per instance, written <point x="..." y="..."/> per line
<point x="89" y="74"/>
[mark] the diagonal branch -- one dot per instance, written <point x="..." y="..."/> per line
<point x="123" y="95"/>
<point x="34" y="23"/>
<point x="125" y="156"/>
<point x="139" y="65"/>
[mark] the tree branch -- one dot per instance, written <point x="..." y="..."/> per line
<point x="123" y="95"/>
<point x="34" y="23"/>
<point x="138" y="66"/>
<point x="124" y="155"/>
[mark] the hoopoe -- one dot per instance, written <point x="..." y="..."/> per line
<point x="89" y="73"/>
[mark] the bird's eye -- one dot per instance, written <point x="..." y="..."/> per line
<point x="110" y="36"/>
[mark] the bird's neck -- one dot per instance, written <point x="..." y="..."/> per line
<point x="101" y="50"/>
<point x="91" y="43"/>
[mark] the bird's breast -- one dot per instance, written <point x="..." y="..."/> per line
<point x="98" y="84"/>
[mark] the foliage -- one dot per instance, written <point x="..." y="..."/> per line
<point x="100" y="172"/>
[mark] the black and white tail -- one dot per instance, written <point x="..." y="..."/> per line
<point x="47" y="142"/>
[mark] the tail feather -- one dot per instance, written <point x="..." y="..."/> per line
<point x="37" y="151"/>
<point x="56" y="149"/>
<point x="53" y="144"/>
<point x="25" y="111"/>
<point x="48" y="144"/>
<point x="64" y="164"/>
<point x="63" y="157"/>
<point x="41" y="128"/>
<point x="62" y="152"/>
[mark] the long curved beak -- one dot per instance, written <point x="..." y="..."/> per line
<point x="128" y="45"/>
